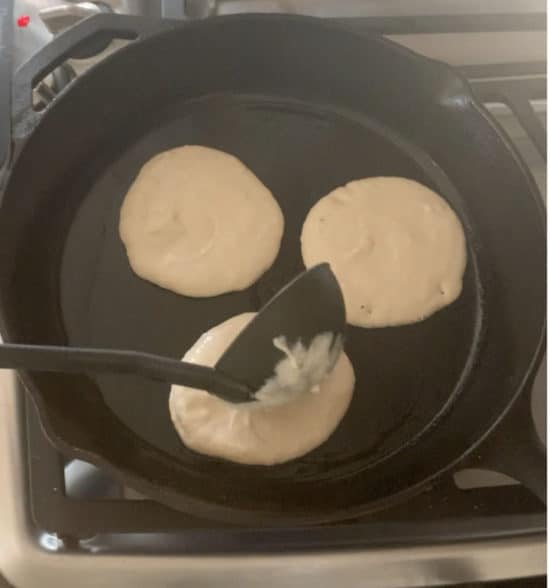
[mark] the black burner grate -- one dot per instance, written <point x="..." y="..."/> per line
<point x="118" y="524"/>
<point x="498" y="84"/>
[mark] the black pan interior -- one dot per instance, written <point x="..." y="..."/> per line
<point x="424" y="392"/>
<point x="301" y="153"/>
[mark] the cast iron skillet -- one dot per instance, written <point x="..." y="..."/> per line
<point x="307" y="106"/>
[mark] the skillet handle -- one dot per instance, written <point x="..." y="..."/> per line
<point x="515" y="449"/>
<point x="99" y="27"/>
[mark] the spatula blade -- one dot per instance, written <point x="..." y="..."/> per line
<point x="308" y="306"/>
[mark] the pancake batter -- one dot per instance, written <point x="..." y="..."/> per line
<point x="397" y="249"/>
<point x="263" y="432"/>
<point x="197" y="221"/>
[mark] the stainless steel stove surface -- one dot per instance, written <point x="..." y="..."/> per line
<point x="65" y="524"/>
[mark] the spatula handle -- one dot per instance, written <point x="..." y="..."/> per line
<point x="80" y="360"/>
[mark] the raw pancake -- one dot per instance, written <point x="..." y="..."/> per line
<point x="396" y="247"/>
<point x="256" y="432"/>
<point x="199" y="222"/>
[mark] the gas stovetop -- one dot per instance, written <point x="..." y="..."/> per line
<point x="475" y="526"/>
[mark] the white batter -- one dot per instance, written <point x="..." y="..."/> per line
<point x="199" y="222"/>
<point x="264" y="432"/>
<point x="396" y="247"/>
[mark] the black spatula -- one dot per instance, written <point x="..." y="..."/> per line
<point x="310" y="305"/>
